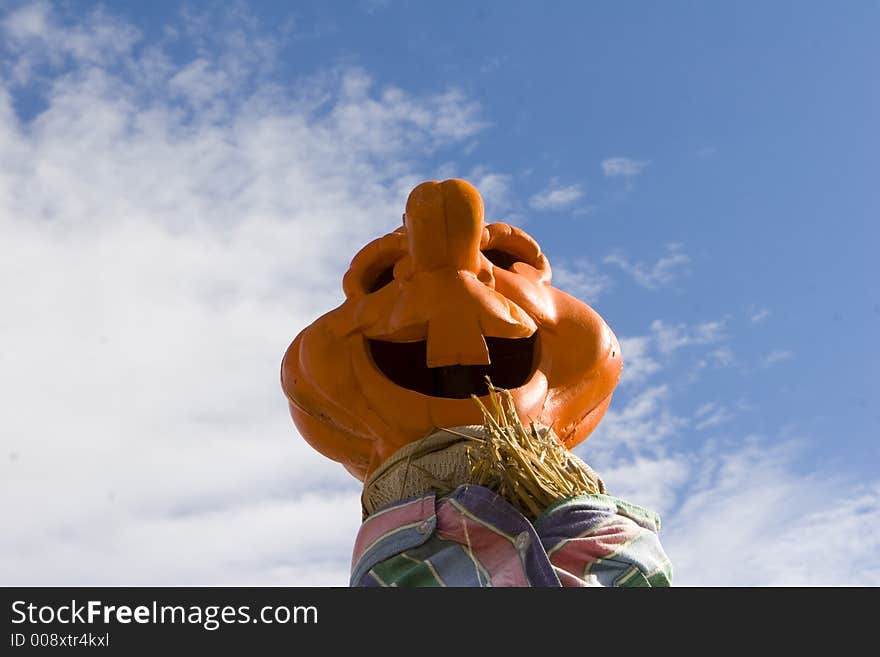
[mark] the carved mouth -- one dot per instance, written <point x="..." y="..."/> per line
<point x="512" y="365"/>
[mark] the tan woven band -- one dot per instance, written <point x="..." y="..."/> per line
<point x="441" y="461"/>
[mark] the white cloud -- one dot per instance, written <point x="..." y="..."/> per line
<point x="645" y="355"/>
<point x="776" y="356"/>
<point x="652" y="482"/>
<point x="581" y="279"/>
<point x="752" y="521"/>
<point x="494" y="187"/>
<point x="759" y="315"/>
<point x="663" y="272"/>
<point x="374" y="6"/>
<point x="165" y="236"/>
<point x="644" y="420"/>
<point x="36" y="39"/>
<point x="670" y="338"/>
<point x="556" y="197"/>
<point x="638" y="363"/>
<point x="737" y="514"/>
<point x="629" y="448"/>
<point x="265" y="541"/>
<point x="711" y="414"/>
<point x="622" y="167"/>
<point x="492" y="64"/>
<point x="722" y="356"/>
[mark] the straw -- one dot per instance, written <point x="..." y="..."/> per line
<point x="529" y="467"/>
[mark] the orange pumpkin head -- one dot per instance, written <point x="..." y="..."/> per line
<point x="432" y="309"/>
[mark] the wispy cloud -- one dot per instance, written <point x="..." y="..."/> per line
<point x="720" y="501"/>
<point x="638" y="361"/>
<point x="654" y="481"/>
<point x="580" y="278"/>
<point x="662" y="272"/>
<point x="494" y="188"/>
<point x="722" y="356"/>
<point x="759" y="315"/>
<point x="644" y="420"/>
<point x="671" y="337"/>
<point x="631" y="447"/>
<point x="34" y="39"/>
<point x="622" y="167"/>
<point x="374" y="6"/>
<point x="776" y="356"/>
<point x="711" y="414"/>
<point x="214" y="220"/>
<point x="750" y="520"/>
<point x="740" y="513"/>
<point x="644" y="355"/>
<point x="556" y="197"/>
<point x="492" y="64"/>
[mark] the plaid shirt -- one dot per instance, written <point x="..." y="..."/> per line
<point x="473" y="537"/>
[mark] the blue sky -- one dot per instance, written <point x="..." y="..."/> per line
<point x="181" y="191"/>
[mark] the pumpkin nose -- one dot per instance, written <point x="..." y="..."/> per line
<point x="444" y="224"/>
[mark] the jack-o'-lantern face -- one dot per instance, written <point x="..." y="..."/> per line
<point x="432" y="309"/>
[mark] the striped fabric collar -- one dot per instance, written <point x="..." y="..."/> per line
<point x="410" y="523"/>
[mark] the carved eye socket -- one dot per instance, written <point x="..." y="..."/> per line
<point x="499" y="258"/>
<point x="382" y="279"/>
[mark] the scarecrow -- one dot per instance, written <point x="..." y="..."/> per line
<point x="454" y="381"/>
